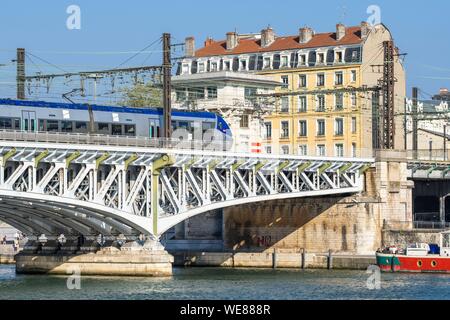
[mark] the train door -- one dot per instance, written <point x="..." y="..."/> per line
<point x="154" y="128"/>
<point x="29" y="121"/>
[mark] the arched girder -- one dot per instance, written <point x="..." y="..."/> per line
<point x="27" y="230"/>
<point x="78" y="217"/>
<point x="26" y="222"/>
<point x="165" y="223"/>
<point x="137" y="224"/>
<point x="55" y="218"/>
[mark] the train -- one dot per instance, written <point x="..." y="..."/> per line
<point x="41" y="116"/>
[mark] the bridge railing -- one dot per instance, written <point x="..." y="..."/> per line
<point x="416" y="225"/>
<point x="108" y="140"/>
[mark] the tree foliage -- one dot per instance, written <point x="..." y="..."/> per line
<point x="142" y="96"/>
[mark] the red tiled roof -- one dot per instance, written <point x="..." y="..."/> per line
<point x="218" y="48"/>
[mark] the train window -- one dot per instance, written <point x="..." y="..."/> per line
<point x="103" y="128"/>
<point x="6" y="123"/>
<point x="17" y="124"/>
<point x="52" y="125"/>
<point x="130" y="130"/>
<point x="66" y="126"/>
<point x="116" y="129"/>
<point x="41" y="125"/>
<point x="81" y="126"/>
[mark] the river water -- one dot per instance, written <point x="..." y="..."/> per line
<point x="227" y="284"/>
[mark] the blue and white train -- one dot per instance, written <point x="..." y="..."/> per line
<point x="40" y="116"/>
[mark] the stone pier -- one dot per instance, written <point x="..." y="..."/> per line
<point x="147" y="259"/>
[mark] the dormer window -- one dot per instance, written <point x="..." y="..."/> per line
<point x="267" y="63"/>
<point x="320" y="58"/>
<point x="339" y="57"/>
<point x="201" y="67"/>
<point x="302" y="60"/>
<point x="185" y="68"/>
<point x="226" y="65"/>
<point x="243" y="65"/>
<point x="284" y="61"/>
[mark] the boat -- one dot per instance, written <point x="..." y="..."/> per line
<point x="418" y="257"/>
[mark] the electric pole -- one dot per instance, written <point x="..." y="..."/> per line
<point x="388" y="112"/>
<point x="415" y="97"/>
<point x="167" y="86"/>
<point x="20" y="61"/>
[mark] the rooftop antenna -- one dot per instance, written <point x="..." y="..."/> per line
<point x="343" y="13"/>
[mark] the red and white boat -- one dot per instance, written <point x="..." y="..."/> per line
<point x="418" y="257"/>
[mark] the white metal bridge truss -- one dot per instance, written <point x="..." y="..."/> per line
<point x="85" y="190"/>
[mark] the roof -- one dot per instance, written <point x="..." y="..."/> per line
<point x="439" y="134"/>
<point x="78" y="106"/>
<point x="253" y="45"/>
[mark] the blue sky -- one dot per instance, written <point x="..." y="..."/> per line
<point x="420" y="29"/>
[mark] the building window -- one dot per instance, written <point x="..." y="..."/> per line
<point x="201" y="67"/>
<point x="214" y="67"/>
<point x="320" y="103"/>
<point x="339" y="126"/>
<point x="321" y="58"/>
<point x="355" y="56"/>
<point x="354" y="150"/>
<point x="339" y="78"/>
<point x="244" y="121"/>
<point x="302" y="81"/>
<point x="196" y="94"/>
<point x="285" y="81"/>
<point x="185" y="69"/>
<point x="302" y="60"/>
<point x="302" y="104"/>
<point x="284" y="129"/>
<point x="320" y="127"/>
<point x="226" y="65"/>
<point x="303" y="150"/>
<point x="268" y="149"/>
<point x="321" y="151"/>
<point x="339" y="57"/>
<point x="284" y="104"/>
<point x="284" y="149"/>
<point x="354" y="125"/>
<point x="284" y="61"/>
<point x="353" y="76"/>
<point x="353" y="99"/>
<point x="212" y="92"/>
<point x="320" y="79"/>
<point x="339" y="101"/>
<point x="339" y="150"/>
<point x="302" y="128"/>
<point x="180" y="95"/>
<point x="250" y="94"/>
<point x="268" y="126"/>
<point x="243" y="65"/>
<point x="267" y="64"/>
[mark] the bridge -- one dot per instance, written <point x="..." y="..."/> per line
<point x="112" y="189"/>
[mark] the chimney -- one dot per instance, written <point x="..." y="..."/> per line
<point x="232" y="40"/>
<point x="443" y="91"/>
<point x="267" y="37"/>
<point x="340" y="31"/>
<point x="306" y="34"/>
<point x="365" y="28"/>
<point x="209" y="41"/>
<point x="189" y="47"/>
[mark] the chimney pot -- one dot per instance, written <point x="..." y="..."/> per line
<point x="232" y="40"/>
<point x="267" y="37"/>
<point x="340" y="31"/>
<point x="209" y="41"/>
<point x="189" y="47"/>
<point x="365" y="28"/>
<point x="306" y="34"/>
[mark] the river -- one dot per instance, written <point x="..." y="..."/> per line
<point x="227" y="284"/>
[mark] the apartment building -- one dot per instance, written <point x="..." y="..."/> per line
<point x="328" y="103"/>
